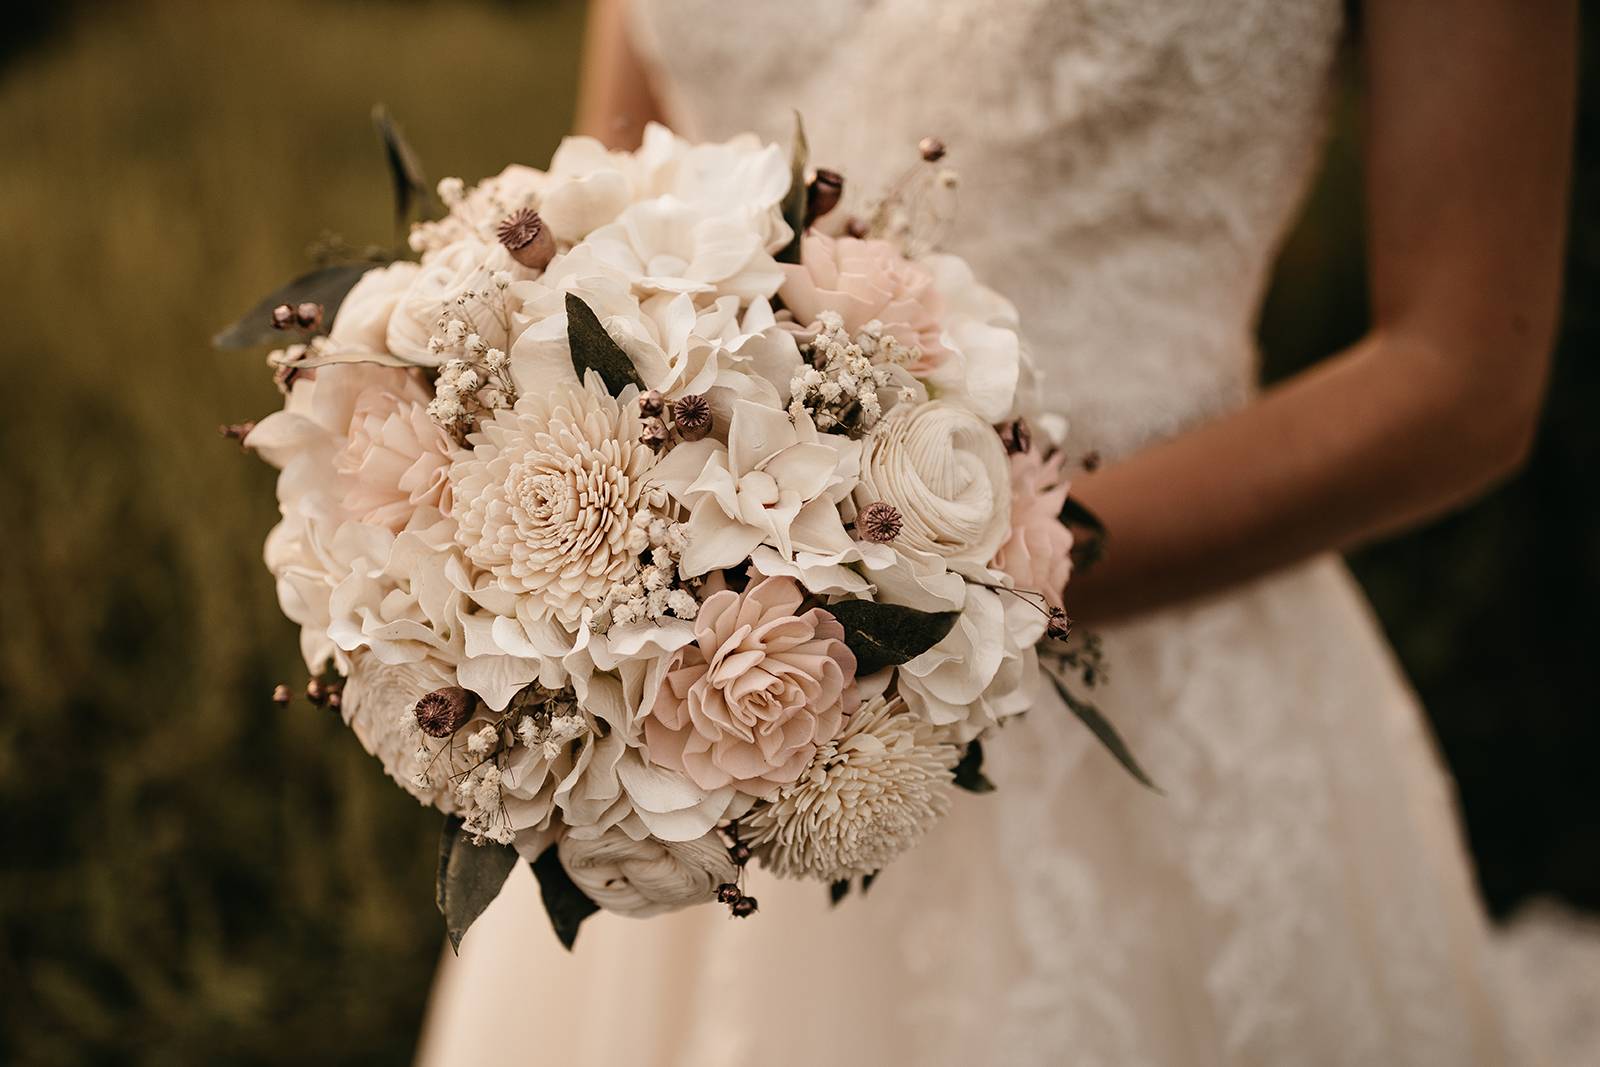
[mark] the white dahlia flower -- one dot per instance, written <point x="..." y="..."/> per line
<point x="869" y="795"/>
<point x="644" y="878"/>
<point x="554" y="496"/>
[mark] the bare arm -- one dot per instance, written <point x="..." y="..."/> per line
<point x="1469" y="120"/>
<point x="614" y="97"/>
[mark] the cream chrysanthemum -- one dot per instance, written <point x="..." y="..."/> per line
<point x="548" y="498"/>
<point x="869" y="795"/>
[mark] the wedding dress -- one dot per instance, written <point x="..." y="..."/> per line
<point x="1299" y="894"/>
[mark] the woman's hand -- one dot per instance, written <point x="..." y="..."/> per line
<point x="1469" y="123"/>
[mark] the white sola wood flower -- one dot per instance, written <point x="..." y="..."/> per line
<point x="771" y="494"/>
<point x="868" y="795"/>
<point x="547" y="499"/>
<point x="644" y="878"/>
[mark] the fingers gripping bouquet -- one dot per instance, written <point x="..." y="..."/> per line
<point x="643" y="528"/>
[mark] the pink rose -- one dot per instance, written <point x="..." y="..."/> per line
<point x="748" y="703"/>
<point x="862" y="281"/>
<point x="397" y="458"/>
<point x="1037" y="555"/>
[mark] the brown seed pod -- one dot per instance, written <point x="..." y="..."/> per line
<point x="283" y="317"/>
<point x="651" y="403"/>
<point x="528" y="239"/>
<point x="308" y="316"/>
<point x="281" y="694"/>
<point x="444" y="711"/>
<point x="879" y="521"/>
<point x="1059" y="628"/>
<point x="727" y="893"/>
<point x="1017" y="436"/>
<point x="692" y="416"/>
<point x="932" y="149"/>
<point x="743" y="908"/>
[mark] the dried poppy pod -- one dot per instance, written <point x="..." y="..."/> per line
<point x="1059" y="628"/>
<point x="527" y="238"/>
<point x="444" y="711"/>
<point x="823" y="194"/>
<point x="691" y="415"/>
<point x="880" y="521"/>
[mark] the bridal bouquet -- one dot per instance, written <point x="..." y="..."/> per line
<point x="643" y="527"/>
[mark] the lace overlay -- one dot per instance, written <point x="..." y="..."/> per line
<point x="1299" y="895"/>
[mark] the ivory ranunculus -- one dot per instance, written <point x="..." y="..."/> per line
<point x="944" y="469"/>
<point x="761" y="687"/>
<point x="644" y="878"/>
<point x="362" y="321"/>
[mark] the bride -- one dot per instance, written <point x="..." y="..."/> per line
<point x="1300" y="894"/>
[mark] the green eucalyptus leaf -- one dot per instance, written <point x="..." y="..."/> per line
<point x="969" y="772"/>
<point x="327" y="286"/>
<point x="411" y="192"/>
<point x="1102" y="729"/>
<point x="564" y="902"/>
<point x="887" y="635"/>
<point x="469" y="878"/>
<point x="1089" y="541"/>
<point x="794" y="202"/>
<point x="593" y="349"/>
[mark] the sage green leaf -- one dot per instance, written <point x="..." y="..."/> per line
<point x="593" y="349"/>
<point x="469" y="878"/>
<point x="794" y="202"/>
<point x="411" y="191"/>
<point x="887" y="635"/>
<point x="1102" y="729"/>
<point x="969" y="771"/>
<point x="1089" y="542"/>
<point x="327" y="286"/>
<point x="564" y="902"/>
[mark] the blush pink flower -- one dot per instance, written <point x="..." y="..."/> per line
<point x="397" y="459"/>
<point x="1037" y="555"/>
<point x="748" y="703"/>
<point x="862" y="281"/>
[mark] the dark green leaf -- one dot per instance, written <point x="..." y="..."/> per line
<point x="969" y="772"/>
<point x="1089" y="541"/>
<point x="839" y="890"/>
<point x="593" y="349"/>
<point x="469" y="878"/>
<point x="1102" y="729"/>
<point x="886" y="635"/>
<point x="327" y="286"/>
<point x="411" y="192"/>
<point x="564" y="902"/>
<point x="794" y="202"/>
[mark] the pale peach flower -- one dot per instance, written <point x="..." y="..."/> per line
<point x="761" y="687"/>
<point x="397" y="458"/>
<point x="863" y="281"/>
<point x="1037" y="555"/>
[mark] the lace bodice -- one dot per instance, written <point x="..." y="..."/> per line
<point x="1127" y="166"/>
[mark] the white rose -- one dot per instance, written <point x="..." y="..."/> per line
<point x="378" y="704"/>
<point x="362" y="321"/>
<point x="644" y="878"/>
<point x="944" y="469"/>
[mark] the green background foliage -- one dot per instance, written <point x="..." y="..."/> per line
<point x="192" y="874"/>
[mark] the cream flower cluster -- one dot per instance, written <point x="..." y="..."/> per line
<point x="592" y="598"/>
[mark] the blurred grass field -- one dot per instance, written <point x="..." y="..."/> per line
<point x="194" y="875"/>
